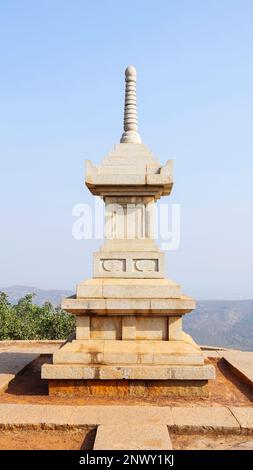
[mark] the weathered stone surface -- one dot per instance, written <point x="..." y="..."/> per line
<point x="106" y="327"/>
<point x="129" y="327"/>
<point x="191" y="418"/>
<point x="82" y="327"/>
<point x="126" y="306"/>
<point x="204" y="418"/>
<point x="135" y="264"/>
<point x="128" y="436"/>
<point x="178" y="388"/>
<point x="241" y="362"/>
<point x="128" y="352"/>
<point x="244" y="416"/>
<point x="11" y="363"/>
<point x="174" y="328"/>
<point x="135" y="372"/>
<point x="129" y="388"/>
<point x="71" y="415"/>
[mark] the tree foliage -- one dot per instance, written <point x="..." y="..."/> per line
<point x="26" y="320"/>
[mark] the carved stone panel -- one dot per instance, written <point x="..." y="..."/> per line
<point x="144" y="265"/>
<point x="132" y="264"/>
<point x="111" y="265"/>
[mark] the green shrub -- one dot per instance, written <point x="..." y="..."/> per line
<point x="26" y="320"/>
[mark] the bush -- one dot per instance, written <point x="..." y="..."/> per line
<point x="26" y="320"/>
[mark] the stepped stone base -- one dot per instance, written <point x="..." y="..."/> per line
<point x="126" y="371"/>
<point x="129" y="368"/>
<point x="129" y="388"/>
<point x="117" y="352"/>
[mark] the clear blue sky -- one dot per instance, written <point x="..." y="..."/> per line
<point x="61" y="99"/>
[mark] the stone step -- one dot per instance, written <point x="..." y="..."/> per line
<point x="132" y="372"/>
<point x="128" y="288"/>
<point x="126" y="306"/>
<point x="126" y="436"/>
<point x="129" y="352"/>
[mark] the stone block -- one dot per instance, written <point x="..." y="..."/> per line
<point x="179" y="388"/>
<point x="244" y="416"/>
<point x="90" y="289"/>
<point x="151" y="328"/>
<point x="130" y="305"/>
<point x="106" y="327"/>
<point x="129" y="327"/>
<point x="174" y="328"/>
<point x="124" y="371"/>
<point x="128" y="436"/>
<point x="217" y="419"/>
<point x="82" y="327"/>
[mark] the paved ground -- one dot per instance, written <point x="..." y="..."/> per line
<point x="11" y="363"/>
<point x="241" y="362"/>
<point x="190" y="426"/>
<point x="15" y="355"/>
<point x="128" y="427"/>
<point x="217" y="419"/>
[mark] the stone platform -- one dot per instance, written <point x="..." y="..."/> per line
<point x="126" y="368"/>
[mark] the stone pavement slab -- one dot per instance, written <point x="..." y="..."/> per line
<point x="183" y="418"/>
<point x="244" y="416"/>
<point x="198" y="418"/>
<point x="122" y="414"/>
<point x="24" y="414"/>
<point x="11" y="363"/>
<point x="242" y="362"/>
<point x="37" y="415"/>
<point x="127" y="436"/>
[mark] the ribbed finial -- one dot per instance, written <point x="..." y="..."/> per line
<point x="130" y="134"/>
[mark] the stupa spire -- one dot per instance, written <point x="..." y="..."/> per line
<point x="130" y="134"/>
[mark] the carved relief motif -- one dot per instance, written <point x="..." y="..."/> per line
<point x="113" y="265"/>
<point x="150" y="265"/>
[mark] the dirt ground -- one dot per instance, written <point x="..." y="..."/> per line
<point x="211" y="442"/>
<point x="46" y="440"/>
<point x="28" y="387"/>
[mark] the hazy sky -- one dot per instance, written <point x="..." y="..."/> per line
<point x="61" y="101"/>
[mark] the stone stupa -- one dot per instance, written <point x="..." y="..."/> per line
<point x="129" y="338"/>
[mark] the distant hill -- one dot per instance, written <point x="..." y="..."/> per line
<point x="227" y="323"/>
<point x="41" y="295"/>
